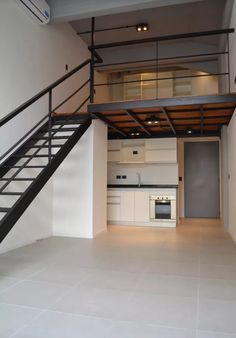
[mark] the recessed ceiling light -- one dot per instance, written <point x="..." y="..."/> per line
<point x="189" y="131"/>
<point x="153" y="119"/>
<point x="142" y="27"/>
<point x="135" y="132"/>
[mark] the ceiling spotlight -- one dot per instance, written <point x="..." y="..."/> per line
<point x="189" y="131"/>
<point x="142" y="27"/>
<point x="153" y="119"/>
<point x="135" y="132"/>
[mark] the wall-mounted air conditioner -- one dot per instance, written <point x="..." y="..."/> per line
<point x="37" y="10"/>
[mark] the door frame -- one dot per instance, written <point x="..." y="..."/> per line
<point x="180" y="156"/>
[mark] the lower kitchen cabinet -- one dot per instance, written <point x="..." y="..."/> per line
<point x="113" y="212"/>
<point x="141" y="202"/>
<point x="130" y="206"/>
<point x="127" y="206"/>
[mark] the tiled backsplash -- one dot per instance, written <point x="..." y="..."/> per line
<point x="150" y="173"/>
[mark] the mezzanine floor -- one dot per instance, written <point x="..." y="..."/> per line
<point x="128" y="282"/>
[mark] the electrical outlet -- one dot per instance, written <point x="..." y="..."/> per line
<point x="118" y="177"/>
<point x="66" y="67"/>
<point x="124" y="177"/>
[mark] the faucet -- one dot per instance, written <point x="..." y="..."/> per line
<point x="139" y="179"/>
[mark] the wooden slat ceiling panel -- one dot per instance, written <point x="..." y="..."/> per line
<point x="200" y="118"/>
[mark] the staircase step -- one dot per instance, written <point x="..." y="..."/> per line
<point x="4" y="209"/>
<point x="8" y="193"/>
<point x="59" y="130"/>
<point x="20" y="166"/>
<point x="65" y="122"/>
<point x="16" y="179"/>
<point x="52" y="138"/>
<point x="31" y="156"/>
<point x="44" y="147"/>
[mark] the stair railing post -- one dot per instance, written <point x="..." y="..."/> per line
<point x="92" y="60"/>
<point x="50" y="126"/>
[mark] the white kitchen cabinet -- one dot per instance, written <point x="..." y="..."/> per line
<point x="143" y="151"/>
<point x="114" y="151"/>
<point x="134" y="154"/>
<point x="163" y="143"/>
<point x="113" y="205"/>
<point x="127" y="206"/>
<point x="114" y="156"/>
<point x="113" y="212"/>
<point x="114" y="144"/>
<point x="141" y="203"/>
<point x="161" y="156"/>
<point x="161" y="150"/>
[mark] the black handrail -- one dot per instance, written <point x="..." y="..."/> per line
<point x="71" y="95"/>
<point x="36" y="97"/>
<point x="162" y="38"/>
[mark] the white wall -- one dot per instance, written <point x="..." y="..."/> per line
<point x="150" y="173"/>
<point x="232" y="134"/>
<point x="74" y="9"/>
<point x="99" y="177"/>
<point x="31" y="58"/>
<point x="232" y="43"/>
<point x="232" y="176"/>
<point x="224" y="178"/>
<point x="34" y="224"/>
<point x="79" y="205"/>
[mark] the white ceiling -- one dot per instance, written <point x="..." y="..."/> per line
<point x="67" y="10"/>
<point x="167" y="20"/>
<point x="165" y="17"/>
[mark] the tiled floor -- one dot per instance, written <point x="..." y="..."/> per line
<point x="127" y="283"/>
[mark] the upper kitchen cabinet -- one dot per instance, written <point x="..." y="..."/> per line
<point x="133" y="151"/>
<point x="161" y="150"/>
<point x="114" y="151"/>
<point x="143" y="151"/>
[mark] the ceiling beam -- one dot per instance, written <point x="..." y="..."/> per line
<point x="165" y="135"/>
<point x="169" y="120"/>
<point x="109" y="123"/>
<point x="169" y="102"/>
<point x="189" y="124"/>
<point x="140" y="123"/>
<point x="189" y="118"/>
<point x="182" y="111"/>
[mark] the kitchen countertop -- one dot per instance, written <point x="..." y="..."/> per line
<point x="144" y="186"/>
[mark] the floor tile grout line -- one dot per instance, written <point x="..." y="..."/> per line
<point x="28" y="324"/>
<point x="24" y="280"/>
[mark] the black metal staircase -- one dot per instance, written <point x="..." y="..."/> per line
<point x="28" y="165"/>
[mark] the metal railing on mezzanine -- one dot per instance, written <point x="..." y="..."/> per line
<point x="159" y="60"/>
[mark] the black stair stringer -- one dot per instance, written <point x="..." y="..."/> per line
<point x="15" y="212"/>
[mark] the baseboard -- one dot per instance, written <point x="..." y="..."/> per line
<point x="62" y="234"/>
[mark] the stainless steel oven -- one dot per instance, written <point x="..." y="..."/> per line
<point x="162" y="208"/>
